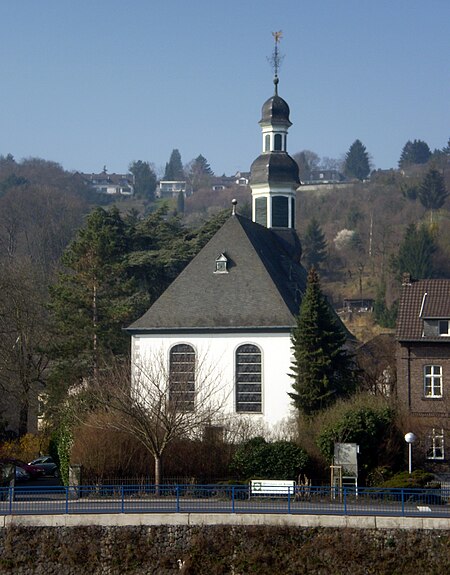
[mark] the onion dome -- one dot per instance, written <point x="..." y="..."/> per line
<point x="275" y="110"/>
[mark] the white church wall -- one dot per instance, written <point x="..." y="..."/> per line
<point x="216" y="354"/>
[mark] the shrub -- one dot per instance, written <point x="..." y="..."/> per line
<point x="366" y="426"/>
<point x="417" y="479"/>
<point x="278" y="460"/>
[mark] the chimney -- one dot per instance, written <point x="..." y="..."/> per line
<point x="406" y="279"/>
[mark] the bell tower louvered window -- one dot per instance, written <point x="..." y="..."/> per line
<point x="280" y="212"/>
<point x="248" y="379"/>
<point x="261" y="211"/>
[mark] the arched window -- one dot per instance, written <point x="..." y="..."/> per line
<point x="278" y="143"/>
<point x="248" y="379"/>
<point x="182" y="377"/>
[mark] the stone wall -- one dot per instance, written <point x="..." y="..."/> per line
<point x="221" y="549"/>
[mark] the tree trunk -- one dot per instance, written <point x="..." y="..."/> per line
<point x="157" y="473"/>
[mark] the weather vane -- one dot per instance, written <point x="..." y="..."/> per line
<point x="276" y="57"/>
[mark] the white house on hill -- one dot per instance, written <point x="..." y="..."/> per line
<point x="234" y="306"/>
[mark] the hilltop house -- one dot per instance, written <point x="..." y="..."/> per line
<point x="112" y="184"/>
<point x="423" y="364"/>
<point x="235" y="304"/>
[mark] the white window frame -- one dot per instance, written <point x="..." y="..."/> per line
<point x="444" y="327"/>
<point x="432" y="381"/>
<point x="436" y="445"/>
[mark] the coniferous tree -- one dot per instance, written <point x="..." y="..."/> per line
<point x="314" y="245"/>
<point x="415" y="254"/>
<point x="199" y="173"/>
<point x="174" y="167"/>
<point x="180" y="203"/>
<point x="322" y="369"/>
<point x="432" y="192"/>
<point x="416" y="152"/>
<point x="94" y="299"/>
<point x="357" y="164"/>
<point x="144" y="179"/>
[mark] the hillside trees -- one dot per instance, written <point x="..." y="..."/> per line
<point x="199" y="173"/>
<point x="322" y="369"/>
<point x="415" y="255"/>
<point x="415" y="152"/>
<point x="314" y="245"/>
<point x="24" y="334"/>
<point x="432" y="191"/>
<point x="357" y="164"/>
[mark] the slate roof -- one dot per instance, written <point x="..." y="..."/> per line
<point x="274" y="168"/>
<point x="415" y="306"/>
<point x="262" y="289"/>
<point x="275" y="110"/>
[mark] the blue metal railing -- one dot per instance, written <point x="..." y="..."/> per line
<point x="23" y="500"/>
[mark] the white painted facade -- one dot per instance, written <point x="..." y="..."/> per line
<point x="217" y="353"/>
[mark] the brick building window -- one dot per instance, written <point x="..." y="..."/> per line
<point x="433" y="380"/>
<point x="444" y="327"/>
<point x="436" y="444"/>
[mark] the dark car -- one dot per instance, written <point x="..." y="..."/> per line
<point x="46" y="463"/>
<point x="21" y="474"/>
<point x="32" y="470"/>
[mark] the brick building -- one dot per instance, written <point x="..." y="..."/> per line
<point x="423" y="365"/>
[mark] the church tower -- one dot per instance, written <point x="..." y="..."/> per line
<point x="274" y="174"/>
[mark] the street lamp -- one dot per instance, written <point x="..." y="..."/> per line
<point x="410" y="438"/>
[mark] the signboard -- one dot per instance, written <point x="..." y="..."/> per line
<point x="346" y="455"/>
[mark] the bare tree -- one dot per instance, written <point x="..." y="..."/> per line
<point x="155" y="405"/>
<point x="23" y="334"/>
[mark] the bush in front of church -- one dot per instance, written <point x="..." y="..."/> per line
<point x="260" y="459"/>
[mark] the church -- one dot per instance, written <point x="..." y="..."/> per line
<point x="234" y="306"/>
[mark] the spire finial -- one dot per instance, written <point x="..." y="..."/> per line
<point x="234" y="202"/>
<point x="276" y="58"/>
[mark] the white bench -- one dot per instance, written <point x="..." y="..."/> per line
<point x="268" y="487"/>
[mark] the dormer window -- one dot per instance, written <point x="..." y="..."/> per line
<point x="444" y="327"/>
<point x="221" y="264"/>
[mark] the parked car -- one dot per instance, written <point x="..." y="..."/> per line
<point x="33" y="471"/>
<point x="46" y="463"/>
<point x="21" y="474"/>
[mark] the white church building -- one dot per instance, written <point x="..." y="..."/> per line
<point x="234" y="306"/>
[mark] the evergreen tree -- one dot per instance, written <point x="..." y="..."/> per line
<point x="174" y="167"/>
<point x="144" y="179"/>
<point x="92" y="301"/>
<point x="314" y="245"/>
<point x="180" y="203"/>
<point x="199" y="173"/>
<point x="416" y="152"/>
<point x="357" y="163"/>
<point x="415" y="254"/>
<point x="432" y="192"/>
<point x="322" y="369"/>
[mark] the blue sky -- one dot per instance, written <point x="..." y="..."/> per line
<point x="89" y="83"/>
